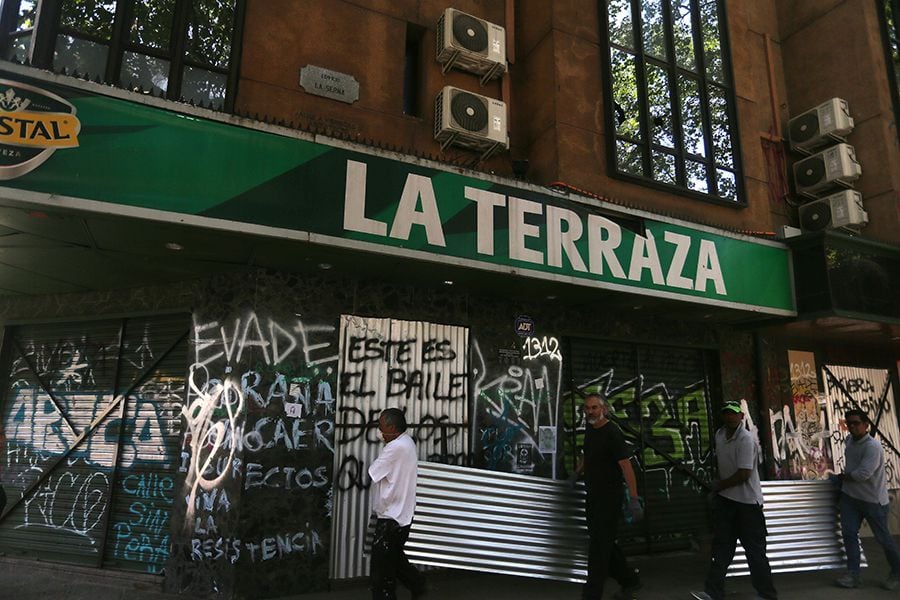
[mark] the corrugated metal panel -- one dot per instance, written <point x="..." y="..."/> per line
<point x="534" y="527"/>
<point x="365" y="390"/>
<point x="499" y="523"/>
<point x="866" y="388"/>
<point x="804" y="528"/>
<point x="65" y="438"/>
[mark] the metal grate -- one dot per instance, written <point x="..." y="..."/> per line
<point x="528" y="526"/>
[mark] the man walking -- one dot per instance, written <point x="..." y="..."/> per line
<point x="864" y="495"/>
<point x="604" y="463"/>
<point x="393" y="500"/>
<point x="737" y="509"/>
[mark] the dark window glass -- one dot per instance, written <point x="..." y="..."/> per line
<point x="180" y="50"/>
<point x="671" y="101"/>
<point x="18" y="28"/>
<point x="891" y="30"/>
<point x="412" y="70"/>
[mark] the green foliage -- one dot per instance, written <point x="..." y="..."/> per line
<point x="651" y="97"/>
<point x="88" y="16"/>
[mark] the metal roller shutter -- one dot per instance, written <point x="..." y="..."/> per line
<point x="660" y="397"/>
<point x="92" y="416"/>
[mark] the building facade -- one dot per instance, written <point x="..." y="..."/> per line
<point x="234" y="231"/>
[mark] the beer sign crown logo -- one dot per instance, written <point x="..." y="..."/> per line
<point x="34" y="123"/>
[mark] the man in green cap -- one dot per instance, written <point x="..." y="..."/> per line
<point x="737" y="509"/>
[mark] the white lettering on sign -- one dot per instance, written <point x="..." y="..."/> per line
<point x="484" y="214"/>
<point x="542" y="234"/>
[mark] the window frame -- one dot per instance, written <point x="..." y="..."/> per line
<point x="671" y="69"/>
<point x="889" y="51"/>
<point x="48" y="27"/>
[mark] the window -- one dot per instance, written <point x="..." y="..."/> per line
<point x="890" y="11"/>
<point x="669" y="96"/>
<point x="180" y="49"/>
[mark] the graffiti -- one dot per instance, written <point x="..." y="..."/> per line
<point x="260" y="433"/>
<point x="671" y="429"/>
<point x="535" y="348"/>
<point x="278" y="546"/>
<point x="144" y="537"/>
<point x="798" y="429"/>
<point x="418" y="367"/>
<point x="869" y="390"/>
<point x="285" y="477"/>
<point x="67" y="364"/>
<point x="207" y="433"/>
<point x="72" y="502"/>
<point x="81" y="453"/>
<point x="497" y="442"/>
<point x="274" y="346"/>
<point x="798" y="454"/>
<point x="515" y="406"/>
<point x="401" y="381"/>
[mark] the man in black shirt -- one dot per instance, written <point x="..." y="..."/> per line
<point x="605" y="464"/>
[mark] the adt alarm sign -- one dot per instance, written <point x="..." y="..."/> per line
<point x="524" y="326"/>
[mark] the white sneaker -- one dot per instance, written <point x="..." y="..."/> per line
<point x="701" y="596"/>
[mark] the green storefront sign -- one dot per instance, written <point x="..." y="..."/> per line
<point x="134" y="155"/>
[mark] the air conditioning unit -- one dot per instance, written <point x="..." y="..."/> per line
<point x="471" y="44"/>
<point x="822" y="125"/>
<point x="844" y="209"/>
<point x="470" y="120"/>
<point x="836" y="166"/>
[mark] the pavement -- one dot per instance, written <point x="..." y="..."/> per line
<point x="669" y="577"/>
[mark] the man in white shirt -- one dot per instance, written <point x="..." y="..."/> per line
<point x="737" y="512"/>
<point x="393" y="500"/>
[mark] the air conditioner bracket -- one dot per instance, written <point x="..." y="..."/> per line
<point x="450" y="62"/>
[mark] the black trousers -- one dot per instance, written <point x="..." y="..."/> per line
<point x="605" y="557"/>
<point x="733" y="521"/>
<point x="389" y="563"/>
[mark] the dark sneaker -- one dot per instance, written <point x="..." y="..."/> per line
<point x="628" y="592"/>
<point x="891" y="583"/>
<point x="848" y="581"/>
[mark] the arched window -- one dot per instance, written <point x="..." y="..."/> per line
<point x="180" y="49"/>
<point x="670" y="97"/>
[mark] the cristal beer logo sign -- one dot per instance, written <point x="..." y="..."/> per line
<point x="33" y="124"/>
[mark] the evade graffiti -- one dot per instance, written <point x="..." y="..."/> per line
<point x="517" y="408"/>
<point x="259" y="418"/>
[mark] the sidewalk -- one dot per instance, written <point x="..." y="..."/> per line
<point x="665" y="578"/>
